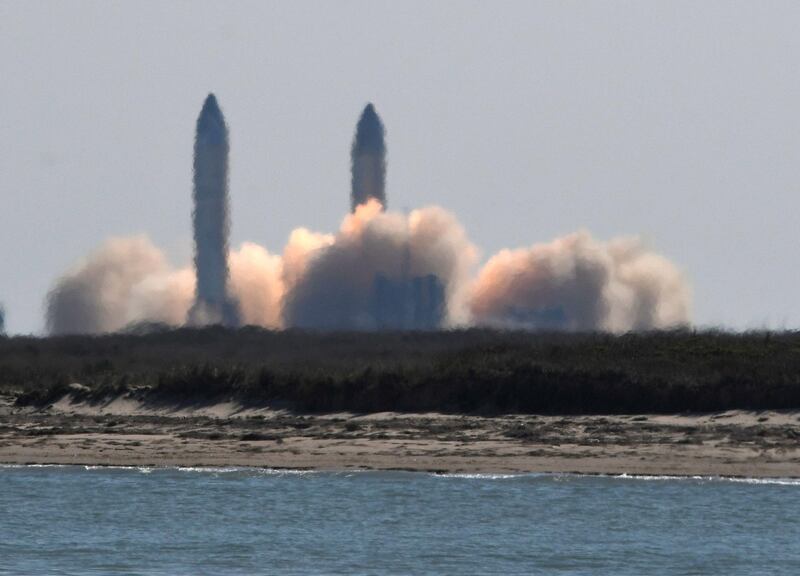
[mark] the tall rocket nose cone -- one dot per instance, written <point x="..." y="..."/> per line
<point x="211" y="123"/>
<point x="211" y="107"/>
<point x="370" y="131"/>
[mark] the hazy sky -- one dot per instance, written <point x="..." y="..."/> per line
<point x="679" y="122"/>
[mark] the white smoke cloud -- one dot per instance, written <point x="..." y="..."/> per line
<point x="328" y="280"/>
<point x="162" y="297"/>
<point x="303" y="245"/>
<point x="257" y="283"/>
<point x="129" y="280"/>
<point x="95" y="296"/>
<point x="335" y="288"/>
<point x="578" y="283"/>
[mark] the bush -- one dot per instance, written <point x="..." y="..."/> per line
<point x="475" y="371"/>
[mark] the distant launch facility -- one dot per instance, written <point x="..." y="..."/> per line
<point x="409" y="303"/>
<point x="213" y="302"/>
<point x="382" y="270"/>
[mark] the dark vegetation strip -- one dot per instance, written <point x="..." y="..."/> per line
<point x="473" y="371"/>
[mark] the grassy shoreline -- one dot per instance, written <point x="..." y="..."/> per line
<point x="472" y="371"/>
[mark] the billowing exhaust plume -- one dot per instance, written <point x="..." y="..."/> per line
<point x="335" y="281"/>
<point x="126" y="280"/>
<point x="129" y="281"/>
<point x="578" y="283"/>
<point x="368" y="157"/>
<point x="213" y="303"/>
<point x="347" y="281"/>
<point x="257" y="284"/>
<point x="321" y="280"/>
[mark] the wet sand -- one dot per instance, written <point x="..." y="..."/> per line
<point x="125" y="433"/>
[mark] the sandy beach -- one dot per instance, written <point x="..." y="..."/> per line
<point x="124" y="432"/>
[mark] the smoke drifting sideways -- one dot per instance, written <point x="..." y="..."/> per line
<point x="324" y="281"/>
<point x="129" y="281"/>
<point x="213" y="303"/>
<point x="368" y="160"/>
<point x="577" y="283"/>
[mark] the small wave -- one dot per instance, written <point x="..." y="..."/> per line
<point x="151" y="469"/>
<point x="244" y="470"/>
<point x="142" y="469"/>
<point x="773" y="481"/>
<point x="482" y="476"/>
<point x="555" y="476"/>
<point x="731" y="479"/>
<point x="567" y="476"/>
<point x="210" y="469"/>
<point x="35" y="465"/>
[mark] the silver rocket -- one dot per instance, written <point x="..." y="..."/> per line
<point x="368" y="157"/>
<point x="213" y="302"/>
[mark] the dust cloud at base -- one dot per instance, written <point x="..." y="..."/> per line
<point x="578" y="283"/>
<point x="328" y="281"/>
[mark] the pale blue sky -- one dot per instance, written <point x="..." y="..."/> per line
<point x="678" y="121"/>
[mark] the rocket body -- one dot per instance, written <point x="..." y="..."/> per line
<point x="368" y="157"/>
<point x="213" y="303"/>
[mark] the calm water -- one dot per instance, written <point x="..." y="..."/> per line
<point x="73" y="520"/>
